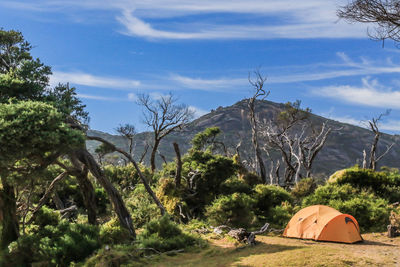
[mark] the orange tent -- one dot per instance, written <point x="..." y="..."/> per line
<point x="323" y="223"/>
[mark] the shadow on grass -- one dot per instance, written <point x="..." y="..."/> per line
<point x="217" y="256"/>
<point x="375" y="243"/>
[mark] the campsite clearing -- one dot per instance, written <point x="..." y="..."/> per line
<point x="376" y="250"/>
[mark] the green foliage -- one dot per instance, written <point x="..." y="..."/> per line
<point x="164" y="235"/>
<point x="126" y="177"/>
<point x="371" y="211"/>
<point x="21" y="76"/>
<point x="112" y="233"/>
<point x="233" y="185"/>
<point x="303" y="188"/>
<point x="141" y="206"/>
<point x="384" y="184"/>
<point x="54" y="245"/>
<point x="34" y="131"/>
<point x="205" y="140"/>
<point x="46" y="216"/>
<point x="214" y="170"/>
<point x="268" y="196"/>
<point x="251" y="178"/>
<point x="280" y="215"/>
<point x="234" y="210"/>
<point x="118" y="255"/>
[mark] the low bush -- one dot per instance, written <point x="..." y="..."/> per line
<point x="303" y="188"/>
<point x="267" y="197"/>
<point x="112" y="233"/>
<point x="235" y="185"/>
<point x="385" y="184"/>
<point x="54" y="245"/>
<point x="371" y="212"/>
<point x="234" y="210"/>
<point x="165" y="235"/>
<point x="280" y="215"/>
<point x="141" y="206"/>
<point x="46" y="216"/>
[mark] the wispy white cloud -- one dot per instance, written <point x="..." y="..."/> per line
<point x="132" y="97"/>
<point x="371" y="93"/>
<point x="86" y="79"/>
<point x="208" y="84"/>
<point x="275" y="19"/>
<point x="198" y="112"/>
<point x="345" y="68"/>
<point x="101" y="98"/>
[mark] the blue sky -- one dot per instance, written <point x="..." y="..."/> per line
<point x="203" y="51"/>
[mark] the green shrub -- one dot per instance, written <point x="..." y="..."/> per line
<point x="280" y="215"/>
<point x="118" y="255"/>
<point x="385" y="184"/>
<point x="235" y="185"/>
<point x="234" y="210"/>
<point x="126" y="177"/>
<point x="112" y="233"/>
<point x="371" y="212"/>
<point x="268" y="196"/>
<point x="54" y="245"/>
<point x="164" y="235"/>
<point x="102" y="201"/>
<point x="303" y="188"/>
<point x="214" y="170"/>
<point x="46" y="216"/>
<point x="141" y="206"/>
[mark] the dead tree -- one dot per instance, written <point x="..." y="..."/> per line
<point x="178" y="172"/>
<point x="383" y="14"/>
<point x="141" y="176"/>
<point x="128" y="131"/>
<point x="312" y="145"/>
<point x="291" y="134"/>
<point x="164" y="116"/>
<point x="259" y="94"/>
<point x="374" y="127"/>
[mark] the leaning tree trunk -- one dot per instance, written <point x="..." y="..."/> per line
<point x="118" y="204"/>
<point x="141" y="176"/>
<point x="88" y="194"/>
<point x="10" y="231"/>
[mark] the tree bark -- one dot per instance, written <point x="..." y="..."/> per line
<point x="88" y="195"/>
<point x="141" y="176"/>
<point x="116" y="200"/>
<point x="153" y="155"/>
<point x="47" y="194"/>
<point x="10" y="231"/>
<point x="178" y="174"/>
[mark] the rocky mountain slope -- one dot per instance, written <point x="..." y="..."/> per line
<point x="343" y="148"/>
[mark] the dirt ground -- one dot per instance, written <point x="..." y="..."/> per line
<point x="375" y="250"/>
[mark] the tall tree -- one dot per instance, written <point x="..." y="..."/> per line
<point x="24" y="78"/>
<point x="163" y="116"/>
<point x="259" y="94"/>
<point x="32" y="136"/>
<point x="383" y="14"/>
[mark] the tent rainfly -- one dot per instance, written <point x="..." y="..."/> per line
<point x="323" y="223"/>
